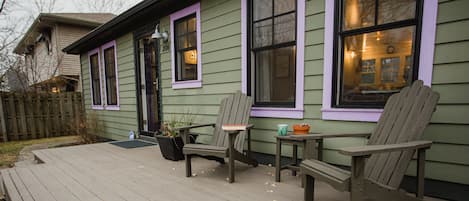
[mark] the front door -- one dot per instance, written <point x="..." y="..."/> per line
<point x="149" y="90"/>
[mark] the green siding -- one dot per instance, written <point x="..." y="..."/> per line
<point x="116" y="124"/>
<point x="221" y="75"/>
<point x="221" y="61"/>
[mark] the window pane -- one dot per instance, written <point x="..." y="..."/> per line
<point x="111" y="91"/>
<point x="182" y="42"/>
<point x="191" y="24"/>
<point x="395" y="10"/>
<point x="262" y="34"/>
<point x="358" y="14"/>
<point x="192" y="39"/>
<point x="94" y="66"/>
<point x="262" y="9"/>
<point x="96" y="93"/>
<point x="110" y="73"/>
<point x="181" y="27"/>
<point x="285" y="28"/>
<point x="187" y="65"/>
<point x="95" y="80"/>
<point x="275" y="75"/>
<point x="284" y="6"/>
<point x="374" y="65"/>
<point x="109" y="62"/>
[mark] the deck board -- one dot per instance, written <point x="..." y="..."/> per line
<point x="107" y="172"/>
<point x="11" y="189"/>
<point x="53" y="186"/>
<point x="35" y="187"/>
<point x="20" y="186"/>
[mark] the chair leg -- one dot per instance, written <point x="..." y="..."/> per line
<point x="188" y="166"/>
<point x="309" y="187"/>
<point x="231" y="169"/>
<point x="420" y="173"/>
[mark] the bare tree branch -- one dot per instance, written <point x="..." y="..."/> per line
<point x="3" y="5"/>
<point x="107" y="6"/>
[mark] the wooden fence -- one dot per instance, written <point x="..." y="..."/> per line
<point x="26" y="116"/>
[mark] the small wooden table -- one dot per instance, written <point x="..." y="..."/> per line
<point x="308" y="142"/>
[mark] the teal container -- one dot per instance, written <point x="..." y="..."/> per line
<point x="282" y="129"/>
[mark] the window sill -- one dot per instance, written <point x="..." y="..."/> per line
<point x="97" y="107"/>
<point x="342" y="114"/>
<point x="289" y="113"/>
<point x="113" y="107"/>
<point x="187" y="84"/>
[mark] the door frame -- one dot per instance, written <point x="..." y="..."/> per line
<point x="138" y="34"/>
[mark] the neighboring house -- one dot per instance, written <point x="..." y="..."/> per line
<point x="46" y="67"/>
<point x="301" y="61"/>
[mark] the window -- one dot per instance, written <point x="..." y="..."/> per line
<point x="95" y="79"/>
<point x="273" y="56"/>
<point x="273" y="53"/>
<point x="111" y="75"/>
<point x="107" y="63"/>
<point x="185" y="29"/>
<point x="373" y="44"/>
<point x="357" y="81"/>
<point x="186" y="48"/>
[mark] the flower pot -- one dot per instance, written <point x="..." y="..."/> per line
<point x="171" y="147"/>
<point x="301" y="129"/>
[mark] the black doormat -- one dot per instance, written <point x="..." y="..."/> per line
<point x="132" y="144"/>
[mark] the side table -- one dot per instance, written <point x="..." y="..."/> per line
<point x="308" y="142"/>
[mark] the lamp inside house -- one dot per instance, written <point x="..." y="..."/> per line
<point x="190" y="57"/>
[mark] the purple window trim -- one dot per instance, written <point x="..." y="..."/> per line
<point x="425" y="67"/>
<point x="195" y="8"/>
<point x="90" y="53"/>
<point x="104" y="47"/>
<point x="291" y="113"/>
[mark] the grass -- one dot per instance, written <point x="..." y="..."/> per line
<point x="9" y="150"/>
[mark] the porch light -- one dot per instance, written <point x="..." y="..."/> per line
<point x="158" y="35"/>
<point x="190" y="57"/>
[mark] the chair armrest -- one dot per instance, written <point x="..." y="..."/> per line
<point x="321" y="136"/>
<point x="375" y="149"/>
<point x="194" y="126"/>
<point x="233" y="132"/>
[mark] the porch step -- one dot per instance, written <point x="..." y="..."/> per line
<point x="9" y="187"/>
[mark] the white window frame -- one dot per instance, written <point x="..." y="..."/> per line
<point x="277" y="112"/>
<point x="195" y="8"/>
<point x="427" y="46"/>
<point x="91" y="53"/>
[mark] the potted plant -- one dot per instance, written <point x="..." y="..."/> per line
<point x="169" y="141"/>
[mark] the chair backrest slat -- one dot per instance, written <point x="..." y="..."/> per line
<point x="234" y="109"/>
<point x="404" y="119"/>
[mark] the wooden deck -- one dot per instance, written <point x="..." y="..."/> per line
<point x="107" y="172"/>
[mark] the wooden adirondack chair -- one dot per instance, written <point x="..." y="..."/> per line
<point x="378" y="168"/>
<point x="234" y="109"/>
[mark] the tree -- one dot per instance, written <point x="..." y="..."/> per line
<point x="106" y="6"/>
<point x="3" y="5"/>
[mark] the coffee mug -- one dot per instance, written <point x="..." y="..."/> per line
<point x="282" y="129"/>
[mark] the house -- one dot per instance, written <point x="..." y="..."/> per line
<point x="46" y="67"/>
<point x="301" y="60"/>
